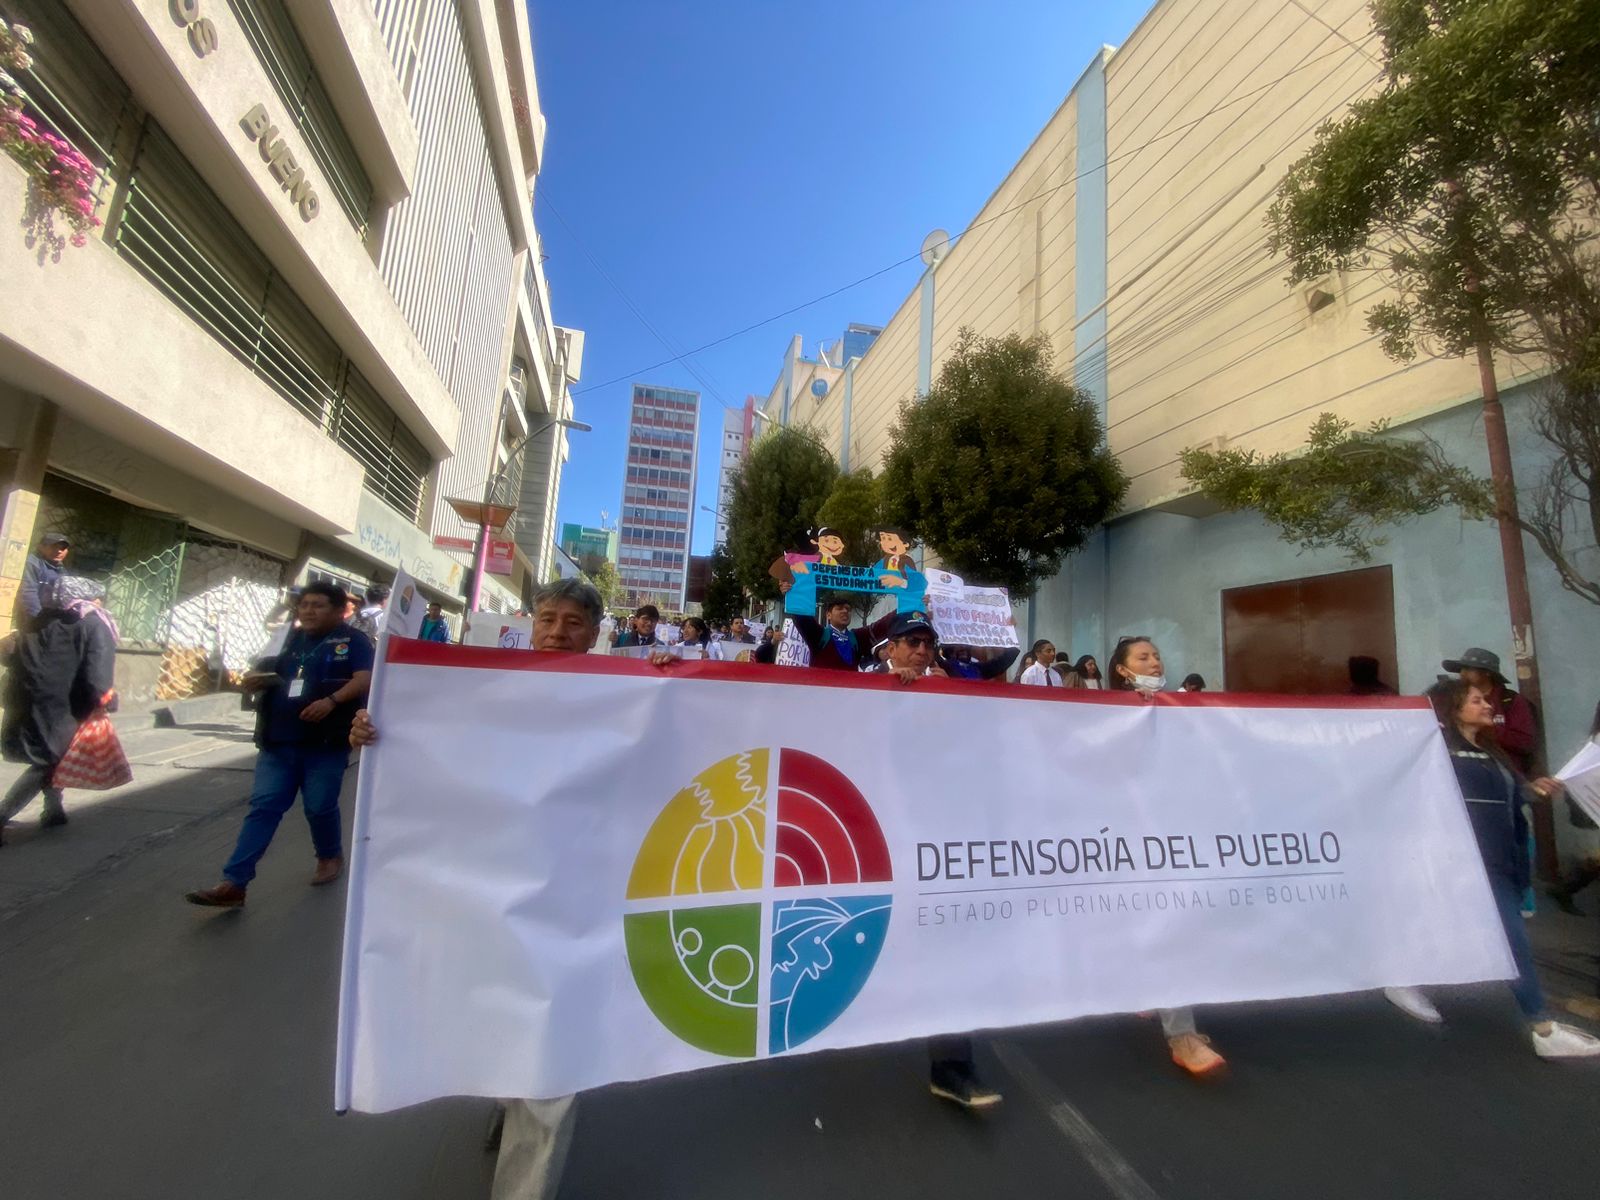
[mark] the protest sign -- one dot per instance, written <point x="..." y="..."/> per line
<point x="974" y="617"/>
<point x="1582" y="777"/>
<point x="792" y="651"/>
<point x="671" y="870"/>
<point x="498" y="629"/>
<point x="811" y="577"/>
<point x="943" y="587"/>
<point x="407" y="607"/>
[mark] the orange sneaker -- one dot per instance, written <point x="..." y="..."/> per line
<point x="1193" y="1052"/>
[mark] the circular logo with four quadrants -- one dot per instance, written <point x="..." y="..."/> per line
<point x="752" y="921"/>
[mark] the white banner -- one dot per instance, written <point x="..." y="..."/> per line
<point x="572" y="870"/>
<point x="978" y="616"/>
<point x="1582" y="777"/>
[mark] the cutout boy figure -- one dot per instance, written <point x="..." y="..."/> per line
<point x="895" y="566"/>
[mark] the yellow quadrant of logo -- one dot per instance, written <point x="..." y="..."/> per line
<point x="710" y="836"/>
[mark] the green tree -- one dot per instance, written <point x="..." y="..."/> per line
<point x="1002" y="468"/>
<point x="786" y="477"/>
<point x="608" y="582"/>
<point x="1344" y="490"/>
<point x="724" y="593"/>
<point x="1472" y="182"/>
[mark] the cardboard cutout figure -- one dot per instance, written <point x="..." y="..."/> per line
<point x="809" y="575"/>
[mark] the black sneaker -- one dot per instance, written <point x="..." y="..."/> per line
<point x="1563" y="899"/>
<point x="52" y="820"/>
<point x="959" y="1084"/>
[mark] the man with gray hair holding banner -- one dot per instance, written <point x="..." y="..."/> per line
<point x="536" y="1134"/>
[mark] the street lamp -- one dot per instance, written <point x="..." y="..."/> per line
<point x="487" y="515"/>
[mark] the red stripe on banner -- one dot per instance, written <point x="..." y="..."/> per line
<point x="814" y="798"/>
<point x="410" y="652"/>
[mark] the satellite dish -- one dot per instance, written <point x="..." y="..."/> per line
<point x="819" y="388"/>
<point x="935" y="246"/>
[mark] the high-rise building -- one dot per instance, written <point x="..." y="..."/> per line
<point x="738" y="427"/>
<point x="588" y="545"/>
<point x="658" y="496"/>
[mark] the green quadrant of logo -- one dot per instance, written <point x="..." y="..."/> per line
<point x="698" y="970"/>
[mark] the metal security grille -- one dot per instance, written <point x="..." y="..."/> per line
<point x="135" y="553"/>
<point x="396" y="463"/>
<point x="227" y="594"/>
<point x="283" y="55"/>
<point x="185" y="242"/>
<point x="182" y="238"/>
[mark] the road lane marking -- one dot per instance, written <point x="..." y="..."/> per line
<point x="1115" y="1172"/>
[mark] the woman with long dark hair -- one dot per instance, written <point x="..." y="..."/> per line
<point x="1494" y="791"/>
<point x="1088" y="673"/>
<point x="1136" y="667"/>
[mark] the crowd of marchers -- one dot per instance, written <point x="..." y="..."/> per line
<point x="311" y="687"/>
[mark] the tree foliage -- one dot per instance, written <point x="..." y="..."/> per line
<point x="1467" y="179"/>
<point x="1002" y="468"/>
<point x="1472" y="182"/>
<point x="724" y="593"/>
<point x="786" y="478"/>
<point x="607" y="581"/>
<point x="1344" y="489"/>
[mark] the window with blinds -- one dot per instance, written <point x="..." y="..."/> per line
<point x="283" y="56"/>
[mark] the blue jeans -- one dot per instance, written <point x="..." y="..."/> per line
<point x="281" y="772"/>
<point x="1525" y="987"/>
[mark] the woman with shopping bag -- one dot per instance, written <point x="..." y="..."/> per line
<point x="59" y="670"/>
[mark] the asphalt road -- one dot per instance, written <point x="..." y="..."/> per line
<point x="153" y="1050"/>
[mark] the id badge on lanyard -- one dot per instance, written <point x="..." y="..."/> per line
<point x="297" y="685"/>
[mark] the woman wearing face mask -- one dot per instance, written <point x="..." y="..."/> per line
<point x="1494" y="792"/>
<point x="1136" y="667"/>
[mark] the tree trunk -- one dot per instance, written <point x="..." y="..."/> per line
<point x="1517" y="597"/>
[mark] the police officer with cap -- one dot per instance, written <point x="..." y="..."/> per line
<point x="952" y="1075"/>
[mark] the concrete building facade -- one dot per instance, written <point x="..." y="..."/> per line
<point x="313" y="310"/>
<point x="738" y="428"/>
<point x="658" y="497"/>
<point x="1132" y="235"/>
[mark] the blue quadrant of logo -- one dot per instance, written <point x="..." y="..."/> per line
<point x="823" y="949"/>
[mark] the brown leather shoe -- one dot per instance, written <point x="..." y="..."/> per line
<point x="328" y="869"/>
<point x="224" y="895"/>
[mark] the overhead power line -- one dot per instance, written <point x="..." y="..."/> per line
<point x="867" y="278"/>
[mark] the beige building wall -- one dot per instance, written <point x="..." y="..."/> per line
<point x="1013" y="272"/>
<point x="1207" y="105"/>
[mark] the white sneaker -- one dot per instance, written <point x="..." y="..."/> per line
<point x="1563" y="1041"/>
<point x="1413" y="1003"/>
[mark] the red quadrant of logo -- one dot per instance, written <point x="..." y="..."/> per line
<point x="826" y="832"/>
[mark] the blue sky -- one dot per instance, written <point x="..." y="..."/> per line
<point x="723" y="162"/>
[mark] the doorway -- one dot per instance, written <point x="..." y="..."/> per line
<point x="1298" y="636"/>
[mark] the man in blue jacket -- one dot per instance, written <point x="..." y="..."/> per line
<point x="312" y="690"/>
